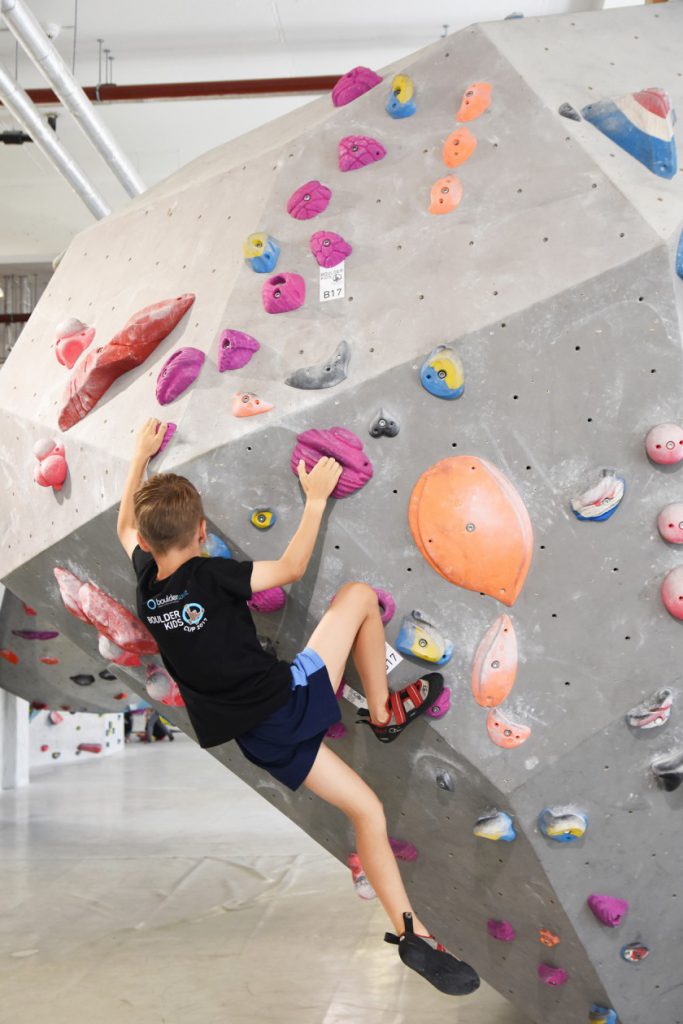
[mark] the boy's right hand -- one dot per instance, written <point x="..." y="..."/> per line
<point x="322" y="480"/>
<point x="150" y="436"/>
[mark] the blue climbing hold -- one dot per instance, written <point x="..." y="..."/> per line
<point x="261" y="252"/>
<point x="215" y="547"/>
<point x="401" y="101"/>
<point x="601" y="500"/>
<point x="419" y="638"/>
<point x="442" y="373"/>
<point x="562" y="826"/>
<point x="497" y="825"/>
<point x="601" y="1015"/>
<point x="642" y="123"/>
<point x="679" y="256"/>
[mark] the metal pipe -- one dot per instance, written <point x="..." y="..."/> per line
<point x="26" y="29"/>
<point x="23" y="111"/>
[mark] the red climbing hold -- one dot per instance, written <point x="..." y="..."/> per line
<point x="9" y="656"/>
<point x="115" y="622"/>
<point x="69" y="586"/>
<point x="50" y="661"/>
<point x="38" y="705"/>
<point x="353" y="84"/>
<point x="120" y="696"/>
<point x="44" y="747"/>
<point x="27" y="608"/>
<point x="91" y="748"/>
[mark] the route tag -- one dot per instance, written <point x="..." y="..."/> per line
<point x="392" y="656"/>
<point x="332" y="282"/>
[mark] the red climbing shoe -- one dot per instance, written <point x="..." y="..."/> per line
<point x="436" y="964"/>
<point x="404" y="706"/>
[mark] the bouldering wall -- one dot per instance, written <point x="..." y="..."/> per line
<point x="505" y="335"/>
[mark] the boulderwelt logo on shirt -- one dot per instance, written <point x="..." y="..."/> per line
<point x="190" y="618"/>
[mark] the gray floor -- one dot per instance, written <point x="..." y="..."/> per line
<point x="154" y="886"/>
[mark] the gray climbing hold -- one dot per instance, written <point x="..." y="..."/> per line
<point x="511" y="17"/>
<point x="669" y="771"/>
<point x="567" y="110"/>
<point x="82" y="679"/>
<point x="383" y="425"/>
<point x="106" y="674"/>
<point x="444" y="780"/>
<point x="323" y="375"/>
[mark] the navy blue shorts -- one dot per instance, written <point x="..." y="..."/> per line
<point x="287" y="742"/>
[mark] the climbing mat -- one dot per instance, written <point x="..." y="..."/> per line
<point x="459" y="281"/>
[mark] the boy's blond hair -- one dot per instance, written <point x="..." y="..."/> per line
<point x="168" y="510"/>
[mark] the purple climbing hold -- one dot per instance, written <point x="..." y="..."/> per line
<point x="356" y="151"/>
<point x="271" y="600"/>
<point x="329" y="248"/>
<point x="387" y="605"/>
<point x="402" y="849"/>
<point x="609" y="910"/>
<point x="554" y="976"/>
<point x="441" y="705"/>
<point x="353" y="84"/>
<point x="309" y="200"/>
<point x="337" y="731"/>
<point x="235" y="349"/>
<point x="339" y="444"/>
<point x="179" y="371"/>
<point x="283" y="293"/>
<point x="168" y="434"/>
<point x="35" y="634"/>
<point x="501" y="930"/>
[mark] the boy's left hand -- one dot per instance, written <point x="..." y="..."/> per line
<point x="150" y="436"/>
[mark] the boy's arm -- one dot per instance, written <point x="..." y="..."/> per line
<point x="317" y="486"/>
<point x="148" y="440"/>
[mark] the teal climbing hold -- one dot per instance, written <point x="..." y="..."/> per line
<point x="679" y="256"/>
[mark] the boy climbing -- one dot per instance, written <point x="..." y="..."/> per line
<point x="277" y="712"/>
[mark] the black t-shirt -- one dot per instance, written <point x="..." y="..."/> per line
<point x="199" y="618"/>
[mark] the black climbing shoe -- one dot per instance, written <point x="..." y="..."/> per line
<point x="443" y="970"/>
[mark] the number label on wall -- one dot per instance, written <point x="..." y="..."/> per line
<point x="332" y="283"/>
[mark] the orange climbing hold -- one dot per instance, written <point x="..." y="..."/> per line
<point x="244" y="403"/>
<point x="446" y="195"/>
<point x="458" y="147"/>
<point x="494" y="669"/>
<point x="50" y="661"/>
<point x="472" y="527"/>
<point x="9" y="656"/>
<point x="505" y="733"/>
<point x="476" y="100"/>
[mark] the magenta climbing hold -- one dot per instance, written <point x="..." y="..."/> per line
<point x="283" y="293"/>
<point x="501" y="930"/>
<point x="73" y="337"/>
<point x="309" y="200"/>
<point x="672" y="592"/>
<point x="271" y="600"/>
<point x="609" y="910"/>
<point x="162" y="688"/>
<point x="653" y="711"/>
<point x="179" y="371"/>
<point x="664" y="444"/>
<point x="35" y="634"/>
<point x="670" y="522"/>
<point x="356" y="151"/>
<point x="387" y="605"/>
<point x="554" y="976"/>
<point x="353" y="84"/>
<point x="339" y="444"/>
<point x="402" y="849"/>
<point x="235" y="349"/>
<point x="168" y="434"/>
<point x="336" y="731"/>
<point x="329" y="248"/>
<point x="441" y="705"/>
<point x="246" y="403"/>
<point x="52" y="469"/>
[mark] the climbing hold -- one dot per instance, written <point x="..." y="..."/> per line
<point x="283" y="293"/>
<point x="9" y="656"/>
<point x="501" y="930"/>
<point x="458" y="147"/>
<point x="672" y="592"/>
<point x="670" y="522"/>
<point x="642" y="124"/>
<point x="419" y="638"/>
<point x="309" y="200"/>
<point x="554" y="976"/>
<point x="669" y="770"/>
<point x="263" y="518"/>
<point x="73" y="337"/>
<point x="27" y="608"/>
<point x="38" y="705"/>
<point x="471" y="525"/>
<point x="261" y="252"/>
<point x="54" y="718"/>
<point x="353" y="84"/>
<point x="35" y="634"/>
<point x="634" y="952"/>
<point x="401" y="101"/>
<point x="444" y="780"/>
<point x="120" y="696"/>
<point x="336" y="731"/>
<point x="664" y="444"/>
<point x="505" y="733"/>
<point x="82" y="679"/>
<point x="679" y="255"/>
<point x="168" y="434"/>
<point x="601" y="500"/>
<point x="356" y="151"/>
<point x="445" y="195"/>
<point x="69" y="587"/>
<point x="651" y="712"/>
<point x="50" y="661"/>
<point x="329" y="248"/>
<point x="215" y="547"/>
<point x="245" y="403"/>
<point x="271" y="600"/>
<point x="513" y="16"/>
<point x="562" y="824"/>
<point x="609" y="910"/>
<point x="106" y="674"/>
<point x="442" y="373"/>
<point x="179" y="371"/>
<point x="383" y="425"/>
<point x="90" y="748"/>
<point x="323" y="375"/>
<point x="136" y="340"/>
<point x="387" y="605"/>
<point x="235" y="349"/>
<point x="441" y="705"/>
<point x="567" y="110"/>
<point x="114" y="621"/>
<point x="339" y="444"/>
<point x="162" y="688"/>
<point x="112" y="652"/>
<point x="402" y="849"/>
<point x="51" y="469"/>
<point x="548" y="938"/>
<point x="44" y="747"/>
<point x="360" y="880"/>
<point x="601" y="1015"/>
<point x="496" y="825"/>
<point x="476" y="99"/>
<point x="494" y="667"/>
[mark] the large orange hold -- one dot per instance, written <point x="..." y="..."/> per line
<point x="495" y="665"/>
<point x="473" y="528"/>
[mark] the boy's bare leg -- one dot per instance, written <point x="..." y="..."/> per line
<point x="334" y="781"/>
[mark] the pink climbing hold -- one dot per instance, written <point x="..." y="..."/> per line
<point x="329" y="248"/>
<point x="356" y="151"/>
<point x="309" y="200"/>
<point x="73" y="337"/>
<point x="90" y="748"/>
<point x="179" y="371"/>
<point x="664" y="444"/>
<point x="69" y="587"/>
<point x="339" y="444"/>
<point x="672" y="592"/>
<point x="336" y="731"/>
<point x="353" y="84"/>
<point x="245" y="403"/>
<point x="283" y="293"/>
<point x="271" y="600"/>
<point x="162" y="688"/>
<point x="51" y="470"/>
<point x="670" y="522"/>
<point x="554" y="976"/>
<point x="235" y="349"/>
<point x="387" y="605"/>
<point x="609" y="910"/>
<point x="402" y="849"/>
<point x="441" y="705"/>
<point x="54" y="718"/>
<point x="501" y="930"/>
<point x="168" y="434"/>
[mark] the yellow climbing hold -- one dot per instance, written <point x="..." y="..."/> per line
<point x="255" y="245"/>
<point x="402" y="88"/>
